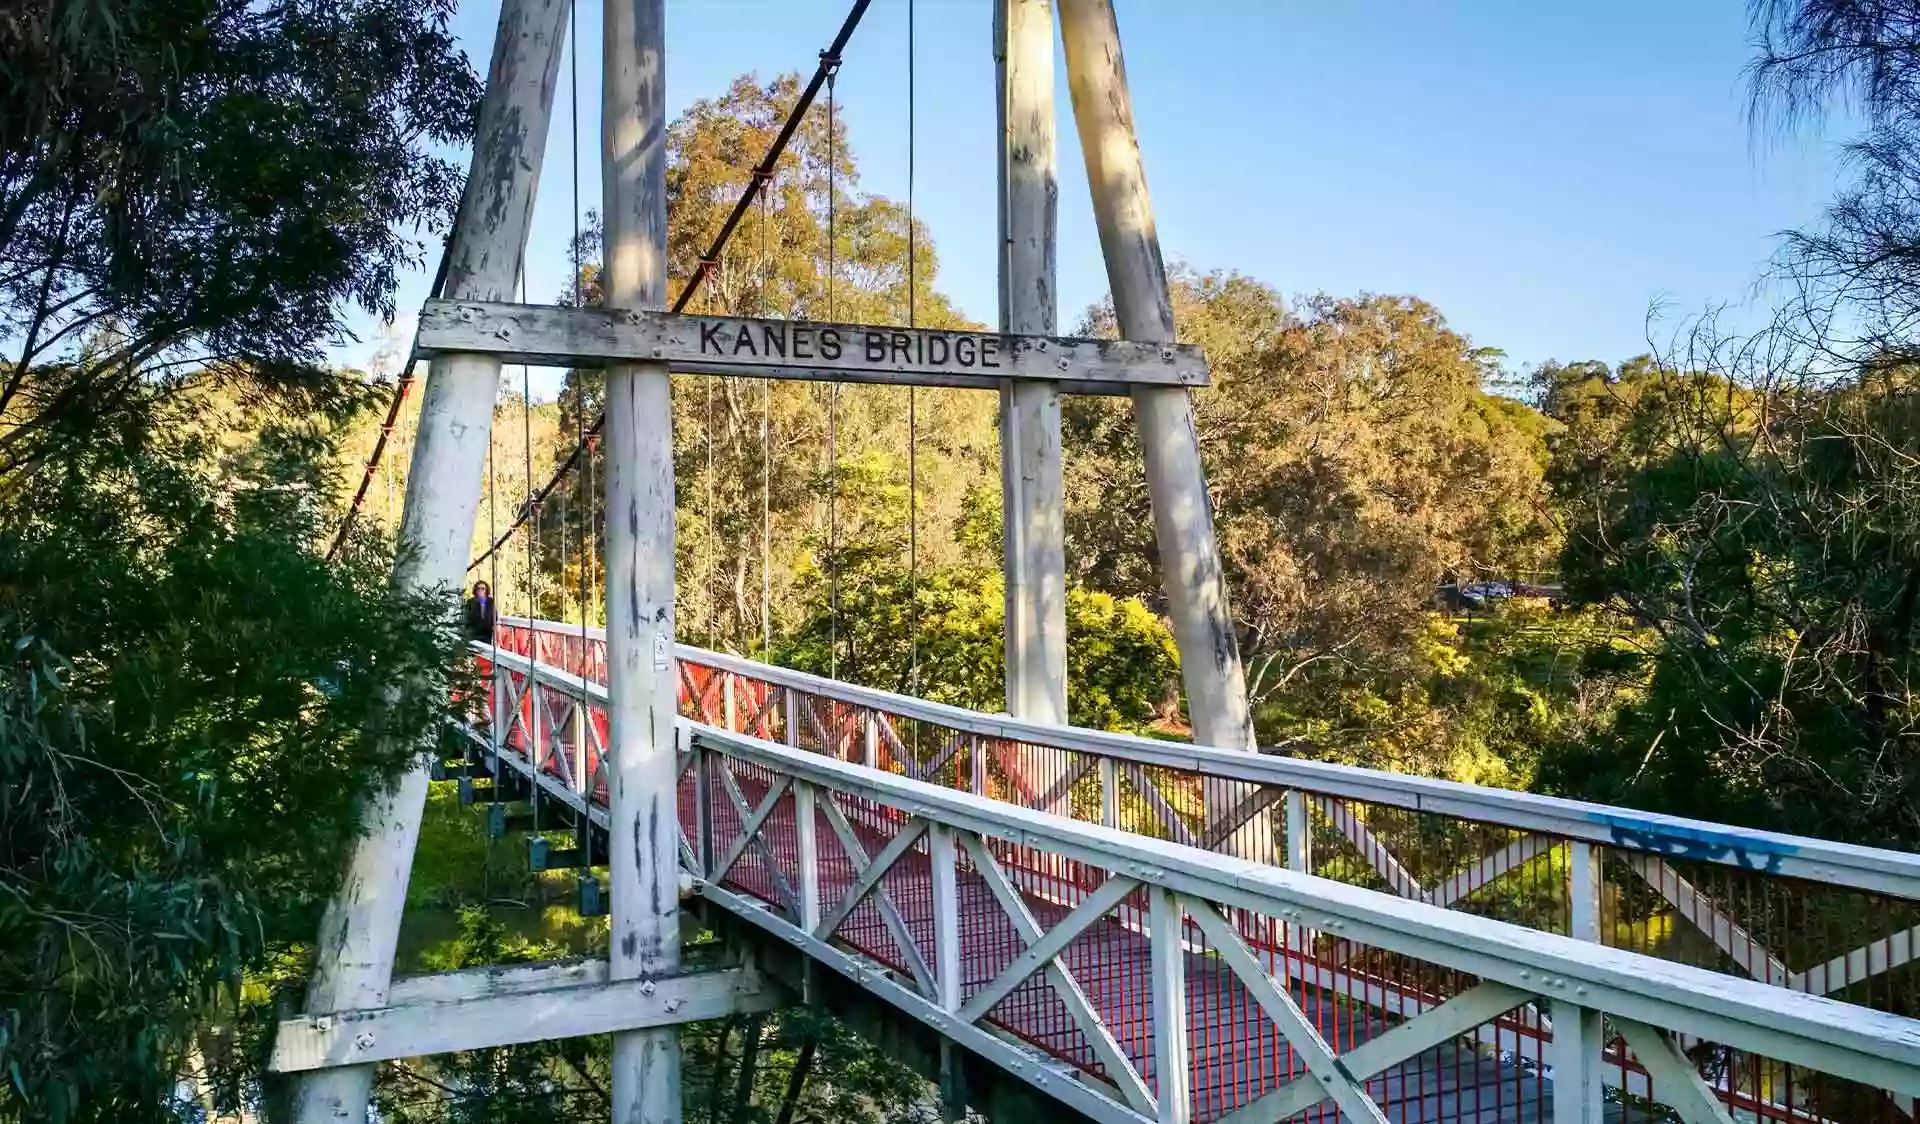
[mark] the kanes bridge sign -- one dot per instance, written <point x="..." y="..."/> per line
<point x="800" y="349"/>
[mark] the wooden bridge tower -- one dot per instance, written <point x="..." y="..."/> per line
<point x="473" y="331"/>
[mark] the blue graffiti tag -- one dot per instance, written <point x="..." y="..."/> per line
<point x="1681" y="842"/>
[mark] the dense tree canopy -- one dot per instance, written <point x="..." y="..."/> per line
<point x="191" y="194"/>
<point x="193" y="190"/>
<point x="193" y="701"/>
<point x="1724" y="540"/>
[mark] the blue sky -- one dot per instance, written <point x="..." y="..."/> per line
<point x="1543" y="173"/>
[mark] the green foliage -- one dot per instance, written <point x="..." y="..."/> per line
<point x="1768" y="538"/>
<point x="193" y="701"/>
<point x="1121" y="662"/>
<point x="191" y="190"/>
<point x="1354" y="462"/>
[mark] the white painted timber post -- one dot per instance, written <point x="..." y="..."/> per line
<point x="1190" y="566"/>
<point x="1030" y="476"/>
<point x="806" y="840"/>
<point x="502" y="687"/>
<point x="870" y="740"/>
<point x="353" y="964"/>
<point x="1182" y="513"/>
<point x="641" y="689"/>
<point x="1299" y="833"/>
<point x="1173" y="1078"/>
<point x="944" y="856"/>
<point x="1577" y="1033"/>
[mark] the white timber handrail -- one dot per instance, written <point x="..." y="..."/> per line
<point x="1657" y="1004"/>
<point x="1877" y="870"/>
<point x="1169" y="895"/>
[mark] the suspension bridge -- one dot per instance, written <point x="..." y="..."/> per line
<point x="1047" y="919"/>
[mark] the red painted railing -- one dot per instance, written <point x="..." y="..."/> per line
<point x="1798" y="914"/>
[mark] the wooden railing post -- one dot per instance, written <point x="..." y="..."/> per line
<point x="946" y="914"/>
<point x="1172" y="1060"/>
<point x="806" y="836"/>
<point x="502" y="704"/>
<point x="1575" y="1053"/>
<point x="703" y="800"/>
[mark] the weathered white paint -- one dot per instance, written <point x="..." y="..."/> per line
<point x="353" y="962"/>
<point x="1849" y="1041"/>
<point x="1896" y="873"/>
<point x="1043" y="954"/>
<point x="1172" y="1054"/>
<point x="795" y="349"/>
<point x="896" y="923"/>
<point x="1055" y="1079"/>
<point x="943" y="860"/>
<point x="563" y="1009"/>
<point x="1323" y="1068"/>
<point x="1041" y="950"/>
<point x="1176" y="480"/>
<point x="1031" y="490"/>
<point x="806" y="839"/>
<point x="644" y="837"/>
<point x="1676" y="1080"/>
<point x="1821" y="1034"/>
<point x="1458" y="1016"/>
<point x="1868" y="868"/>
<point x="1579" y="1086"/>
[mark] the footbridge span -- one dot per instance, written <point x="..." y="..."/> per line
<point x="1067" y="921"/>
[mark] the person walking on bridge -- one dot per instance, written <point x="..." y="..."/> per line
<point x="480" y="613"/>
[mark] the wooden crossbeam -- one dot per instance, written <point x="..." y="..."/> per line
<point x="1488" y="869"/>
<point x="1458" y="1016"/>
<point x="799" y="349"/>
<point x="1167" y="815"/>
<point x="1676" y="1082"/>
<point x="750" y="821"/>
<point x="1706" y="916"/>
<point x="1344" y="820"/>
<point x="479" y="1009"/>
<point x="870" y="876"/>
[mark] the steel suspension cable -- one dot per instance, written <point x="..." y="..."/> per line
<point x="833" y="406"/>
<point x="766" y="461"/>
<point x="762" y="172"/>
<point x="913" y="413"/>
<point x="401" y="387"/>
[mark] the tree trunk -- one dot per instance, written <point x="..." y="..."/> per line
<point x="749" y="1061"/>
<point x="796" y="1083"/>
<point x="719" y="1069"/>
